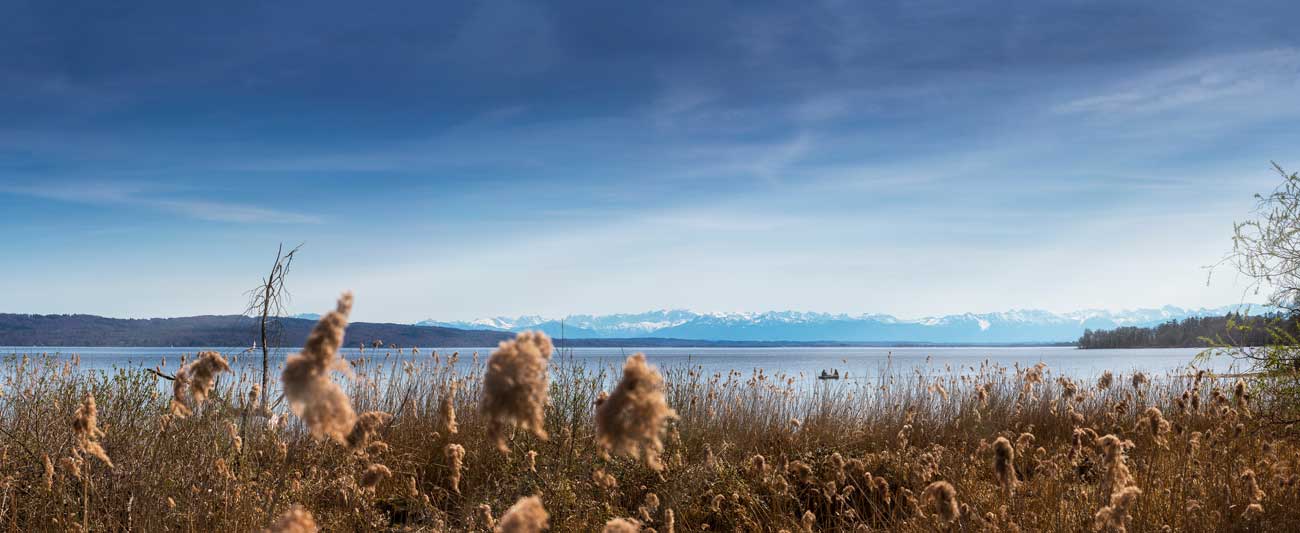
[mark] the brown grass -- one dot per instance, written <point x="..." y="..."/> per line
<point x="1082" y="457"/>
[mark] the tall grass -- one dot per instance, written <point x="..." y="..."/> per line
<point x="962" y="449"/>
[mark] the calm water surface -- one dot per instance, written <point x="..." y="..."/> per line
<point x="855" y="361"/>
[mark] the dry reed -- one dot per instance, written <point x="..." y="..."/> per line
<point x="316" y="399"/>
<point x="632" y="420"/>
<point x="515" y="386"/>
<point x="526" y="516"/>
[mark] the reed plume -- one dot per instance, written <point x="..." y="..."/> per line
<point x="1105" y="381"/>
<point x="316" y="399"/>
<point x="72" y="464"/>
<point x="1156" y="425"/>
<point x="365" y="429"/>
<point x="49" y="472"/>
<point x="1114" y="518"/>
<point x="1139" y="379"/>
<point x="808" y="521"/>
<point x="526" y="516"/>
<point x="941" y="499"/>
<point x="515" y="386"/>
<point x="447" y="411"/>
<point x="1004" y="458"/>
<point x="374" y="475"/>
<point x="1117" y="475"/>
<point x="485" y="513"/>
<point x="631" y="421"/>
<point x="622" y="525"/>
<point x="1252" y="486"/>
<point x="197" y="378"/>
<point x="85" y="423"/>
<point x="455" y="459"/>
<point x="295" y="520"/>
<point x="604" y="480"/>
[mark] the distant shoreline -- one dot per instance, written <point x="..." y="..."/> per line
<point x="615" y="343"/>
<point x="67" y="331"/>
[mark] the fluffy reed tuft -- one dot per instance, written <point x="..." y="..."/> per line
<point x="85" y="423"/>
<point x="1004" y="458"/>
<point x="374" y="475"/>
<point x="295" y="520"/>
<point x="941" y="499"/>
<point x="49" y="472"/>
<point x="632" y="420"/>
<point x="455" y="461"/>
<point x="622" y="525"/>
<point x="1117" y="475"/>
<point x="447" y="411"/>
<point x="515" y="386"/>
<point x="317" y="400"/>
<point x="1105" y="381"/>
<point x="196" y="379"/>
<point x="365" y="429"/>
<point x="808" y="521"/>
<point x="1114" y="518"/>
<point x="526" y="516"/>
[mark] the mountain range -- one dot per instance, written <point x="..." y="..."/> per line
<point x="1015" y="326"/>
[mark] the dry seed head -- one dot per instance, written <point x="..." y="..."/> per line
<point x="526" y="516"/>
<point x="365" y="429"/>
<point x="1156" y="424"/>
<point x="316" y="399"/>
<point x="515" y="386"/>
<point x="1106" y="379"/>
<point x="632" y="420"/>
<point x="374" y="475"/>
<point x="295" y="520"/>
<point x="485" y="513"/>
<point x="49" y="472"/>
<point x="941" y="499"/>
<point x="808" y="521"/>
<point x="604" y="480"/>
<point x="1117" y="471"/>
<point x="1252" y="486"/>
<point x="85" y="423"/>
<point x="447" y="411"/>
<point x="233" y="431"/>
<point x="1004" y="457"/>
<point x="1139" y="379"/>
<point x="456" y="460"/>
<point x="72" y="464"/>
<point x="532" y="461"/>
<point x="1114" y="518"/>
<point x="201" y="373"/>
<point x="622" y="525"/>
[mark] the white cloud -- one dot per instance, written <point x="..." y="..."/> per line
<point x="1205" y="80"/>
<point x="144" y="196"/>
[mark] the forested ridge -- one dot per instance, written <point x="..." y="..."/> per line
<point x="1194" y="332"/>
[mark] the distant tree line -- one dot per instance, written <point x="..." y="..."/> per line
<point x="1196" y="332"/>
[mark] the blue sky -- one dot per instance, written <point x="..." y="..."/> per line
<point x="461" y="159"/>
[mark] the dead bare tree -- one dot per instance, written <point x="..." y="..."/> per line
<point x="267" y="301"/>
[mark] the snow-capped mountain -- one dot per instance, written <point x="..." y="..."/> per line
<point x="1017" y="325"/>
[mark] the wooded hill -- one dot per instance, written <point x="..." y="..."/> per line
<point x="1192" y="332"/>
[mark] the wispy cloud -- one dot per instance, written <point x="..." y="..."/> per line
<point x="1198" y="82"/>
<point x="147" y="197"/>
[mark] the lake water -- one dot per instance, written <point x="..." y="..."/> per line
<point x="855" y="361"/>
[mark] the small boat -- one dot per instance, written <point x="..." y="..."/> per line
<point x="829" y="375"/>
